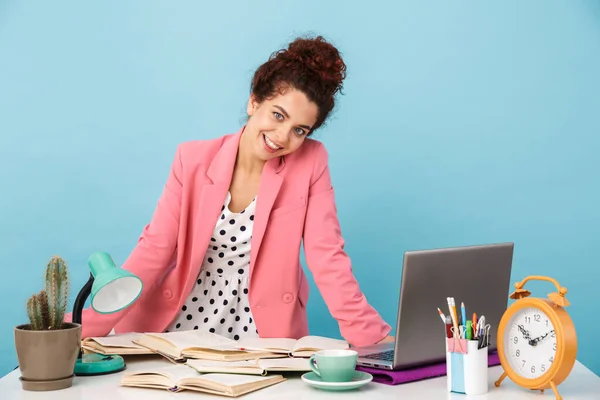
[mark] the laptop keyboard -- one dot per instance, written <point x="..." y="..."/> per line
<point x="384" y="355"/>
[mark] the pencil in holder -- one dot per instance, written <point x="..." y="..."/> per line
<point x="466" y="366"/>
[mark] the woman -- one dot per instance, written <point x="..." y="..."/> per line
<point x="221" y="252"/>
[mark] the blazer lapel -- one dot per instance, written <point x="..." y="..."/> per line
<point x="212" y="197"/>
<point x="210" y="203"/>
<point x="270" y="183"/>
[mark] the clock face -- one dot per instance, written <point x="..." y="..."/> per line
<point x="530" y="343"/>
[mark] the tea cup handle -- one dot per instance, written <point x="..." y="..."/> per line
<point x="313" y="366"/>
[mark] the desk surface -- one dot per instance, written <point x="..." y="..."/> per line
<point x="581" y="384"/>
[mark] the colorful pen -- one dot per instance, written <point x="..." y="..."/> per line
<point x="469" y="336"/>
<point x="463" y="312"/>
<point x="448" y="327"/>
<point x="442" y="316"/>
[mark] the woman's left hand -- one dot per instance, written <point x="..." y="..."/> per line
<point x="387" y="339"/>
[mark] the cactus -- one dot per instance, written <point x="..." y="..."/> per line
<point x="57" y="289"/>
<point x="46" y="310"/>
<point x="34" y="310"/>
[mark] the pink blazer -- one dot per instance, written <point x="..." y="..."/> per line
<point x="295" y="202"/>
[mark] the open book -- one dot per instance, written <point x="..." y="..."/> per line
<point x="303" y="347"/>
<point x="121" y="344"/>
<point x="178" y="377"/>
<point x="251" y="367"/>
<point x="181" y="345"/>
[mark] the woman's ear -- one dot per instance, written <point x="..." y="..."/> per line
<point x="252" y="105"/>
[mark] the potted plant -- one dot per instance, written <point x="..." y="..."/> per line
<point x="47" y="347"/>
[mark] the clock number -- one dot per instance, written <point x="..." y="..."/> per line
<point x="552" y="359"/>
<point x="524" y="361"/>
<point x="553" y="334"/>
<point x="554" y="346"/>
<point x="546" y="322"/>
<point x="543" y="368"/>
<point x="536" y="317"/>
<point x="515" y="340"/>
<point x="518" y="353"/>
<point x="533" y="369"/>
<point x="528" y="319"/>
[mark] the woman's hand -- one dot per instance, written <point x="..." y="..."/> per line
<point x="387" y="339"/>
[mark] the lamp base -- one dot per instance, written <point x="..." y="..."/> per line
<point x="98" y="364"/>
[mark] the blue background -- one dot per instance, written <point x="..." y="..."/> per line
<point x="462" y="123"/>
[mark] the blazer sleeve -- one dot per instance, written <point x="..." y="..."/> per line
<point x="153" y="253"/>
<point x="331" y="267"/>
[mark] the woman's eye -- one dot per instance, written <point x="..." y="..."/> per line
<point x="277" y="115"/>
<point x="300" y="131"/>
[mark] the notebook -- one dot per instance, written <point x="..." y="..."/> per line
<point x="179" y="377"/>
<point x="303" y="347"/>
<point x="251" y="367"/>
<point x="181" y="345"/>
<point x="121" y="344"/>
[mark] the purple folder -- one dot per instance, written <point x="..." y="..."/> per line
<point x="415" y="374"/>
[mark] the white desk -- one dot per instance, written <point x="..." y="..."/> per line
<point x="581" y="384"/>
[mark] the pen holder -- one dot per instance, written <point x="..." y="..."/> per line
<point x="466" y="366"/>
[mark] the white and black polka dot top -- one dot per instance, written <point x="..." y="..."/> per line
<point x="218" y="303"/>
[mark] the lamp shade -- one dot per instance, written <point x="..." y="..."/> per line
<point x="114" y="288"/>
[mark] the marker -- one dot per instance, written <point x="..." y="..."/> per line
<point x="442" y="316"/>
<point x="469" y="328"/>
<point x="463" y="313"/>
<point x="448" y="327"/>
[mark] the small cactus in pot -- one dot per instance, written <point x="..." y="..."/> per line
<point x="47" y="347"/>
<point x="46" y="310"/>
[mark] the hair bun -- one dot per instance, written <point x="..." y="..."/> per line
<point x="310" y="65"/>
<point x="319" y="56"/>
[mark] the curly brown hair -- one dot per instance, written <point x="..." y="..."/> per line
<point x="311" y="65"/>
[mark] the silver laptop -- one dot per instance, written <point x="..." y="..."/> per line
<point x="478" y="275"/>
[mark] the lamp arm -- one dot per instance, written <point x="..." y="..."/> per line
<point x="81" y="299"/>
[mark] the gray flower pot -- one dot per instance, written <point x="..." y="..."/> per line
<point x="47" y="358"/>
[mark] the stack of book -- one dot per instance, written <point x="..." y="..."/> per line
<point x="211" y="363"/>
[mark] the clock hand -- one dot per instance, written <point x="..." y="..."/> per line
<point x="524" y="332"/>
<point x="535" y="341"/>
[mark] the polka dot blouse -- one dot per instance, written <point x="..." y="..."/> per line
<point x="218" y="303"/>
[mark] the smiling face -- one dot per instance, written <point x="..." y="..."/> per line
<point x="280" y="124"/>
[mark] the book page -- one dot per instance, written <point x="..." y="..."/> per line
<point x="275" y="345"/>
<point x="119" y="340"/>
<point x="232" y="380"/>
<point x="319" y="343"/>
<point x="196" y="339"/>
<point x="207" y="364"/>
<point x="199" y="363"/>
<point x="174" y="372"/>
<point x="285" y="364"/>
<point x="229" y="367"/>
<point x="228" y="384"/>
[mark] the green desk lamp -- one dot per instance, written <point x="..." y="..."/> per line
<point x="113" y="289"/>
